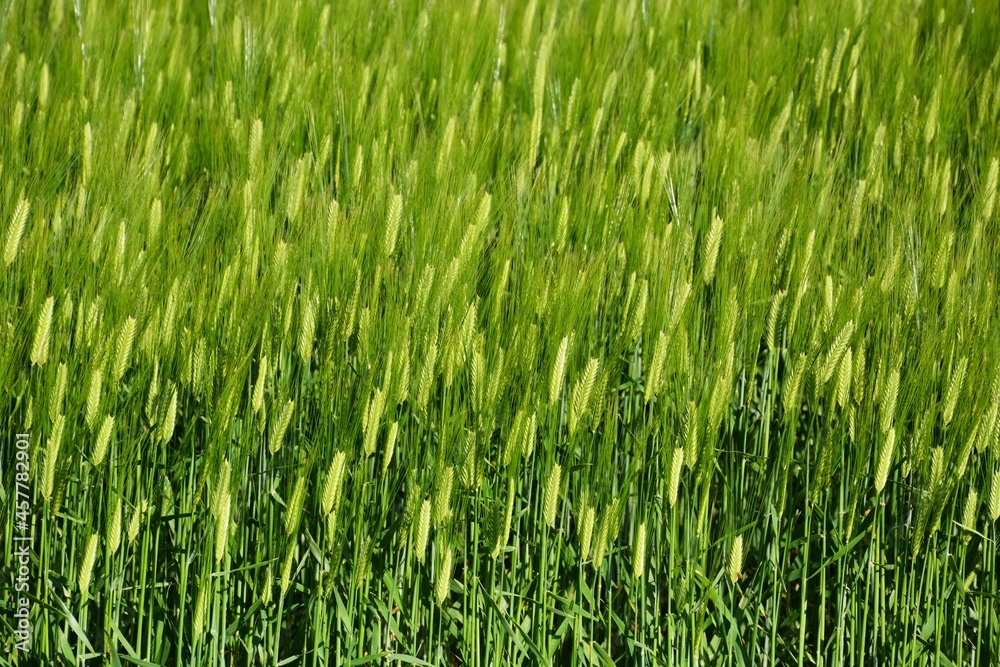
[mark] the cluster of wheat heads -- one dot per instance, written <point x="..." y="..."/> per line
<point x="502" y="333"/>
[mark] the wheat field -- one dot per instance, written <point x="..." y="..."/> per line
<point x="499" y="332"/>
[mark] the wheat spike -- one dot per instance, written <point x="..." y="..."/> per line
<point x="988" y="428"/>
<point x="656" y="367"/>
<point x="638" y="316"/>
<point x="307" y="334"/>
<point x="844" y="379"/>
<point x="828" y="302"/>
<point x="114" y="536"/>
<point x="530" y="433"/>
<point x="990" y="190"/>
<point x="200" y="608"/>
<point x="362" y="569"/>
<point x="966" y="451"/>
<point x="297" y="189"/>
<point x="970" y="580"/>
<point x="155" y="217"/>
<point x="691" y="430"/>
<point x="268" y="587"/>
<point x="220" y="493"/>
<point x="534" y="141"/>
<point x="427" y="375"/>
<point x="468" y="331"/>
<point x="676" y="463"/>
<point x="286" y="569"/>
<point x="859" y="373"/>
<point x="254" y="150"/>
<point x="332" y="483"/>
<point x="40" y="345"/>
<point x="600" y="543"/>
<point x="332" y="219"/>
<point x="197" y="365"/>
<point x="954" y="390"/>
<point x="444" y="576"/>
<point x="87" y="166"/>
<point x="372" y="421"/>
<point x="791" y="398"/>
<point x="677" y="307"/>
<point x="87" y="565"/>
<point x="887" y="405"/>
<point x="103" y="438"/>
<point x="735" y="564"/>
<point x="423" y="530"/>
<point x="558" y="371"/>
<point x="281" y="427"/>
<point x="445" y="144"/>
<point x="58" y="393"/>
<point x="94" y="397"/>
<point x="562" y="225"/>
<point x="772" y="321"/>
<point x="508" y="515"/>
<point x="169" y="313"/>
<point x="639" y="551"/>
<point x="483" y="210"/>
<point x="52" y="457"/>
<point x="167" y="499"/>
<point x="258" y="388"/>
<point x="937" y="469"/>
<point x="541" y="64"/>
<point x="393" y="219"/>
<point x="15" y="232"/>
<point x="836" y="352"/>
<point x="580" y="398"/>
<point x="222" y="522"/>
<point x="552" y="494"/>
<point x="18" y="119"/>
<point x="994" y="497"/>
<point x="970" y="510"/>
<point x="169" y="421"/>
<point x="477" y="370"/>
<point x="710" y="251"/>
<point x="721" y="391"/>
<point x="403" y="386"/>
<point x="123" y="349"/>
<point x="587" y="533"/>
<point x="135" y="522"/>
<point x="941" y="262"/>
<point x="294" y="510"/>
<point x="880" y="383"/>
<point x="442" y="495"/>
<point x="469" y="472"/>
<point x="390" y="445"/>
<point x="885" y="460"/>
<point x="627" y="305"/>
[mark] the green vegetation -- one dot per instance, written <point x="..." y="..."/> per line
<point x="491" y="333"/>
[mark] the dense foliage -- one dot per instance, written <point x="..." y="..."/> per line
<point x="502" y="333"/>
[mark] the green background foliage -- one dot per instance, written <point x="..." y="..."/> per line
<point x="498" y="333"/>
